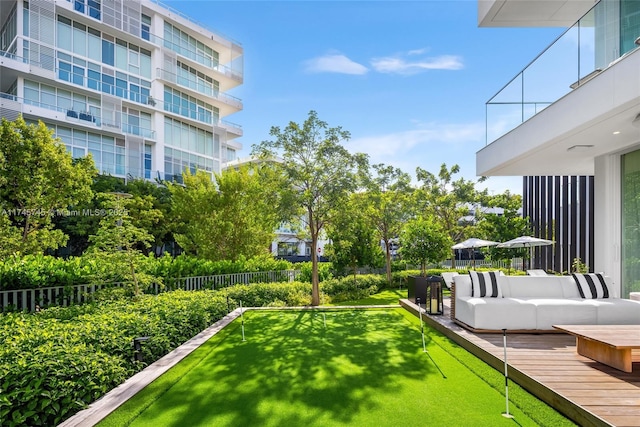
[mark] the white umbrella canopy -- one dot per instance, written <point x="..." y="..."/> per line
<point x="525" y="242"/>
<point x="473" y="243"/>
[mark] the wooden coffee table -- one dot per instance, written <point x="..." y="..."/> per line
<point x="612" y="345"/>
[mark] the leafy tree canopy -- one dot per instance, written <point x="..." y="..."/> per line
<point x="423" y="240"/>
<point x="40" y="180"/>
<point x="320" y="172"/>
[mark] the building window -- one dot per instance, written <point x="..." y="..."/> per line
<point x="145" y="27"/>
<point x="64" y="71"/>
<point x="287" y="248"/>
<point x="630" y="223"/>
<point x="108" y="52"/>
<point x="94" y="7"/>
<point x="147" y="161"/>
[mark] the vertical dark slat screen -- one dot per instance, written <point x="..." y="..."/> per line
<point x="560" y="209"/>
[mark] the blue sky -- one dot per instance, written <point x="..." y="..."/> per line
<point x="408" y="79"/>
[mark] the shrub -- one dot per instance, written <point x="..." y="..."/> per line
<point x="37" y="271"/>
<point x="352" y="288"/>
<point x="263" y="295"/>
<point x="324" y="271"/>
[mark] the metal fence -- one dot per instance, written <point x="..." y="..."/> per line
<point x="33" y="299"/>
<point x="516" y="264"/>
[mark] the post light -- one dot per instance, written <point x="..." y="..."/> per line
<point x="433" y="304"/>
<point x="137" y="347"/>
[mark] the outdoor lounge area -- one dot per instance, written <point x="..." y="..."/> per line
<point x="548" y="366"/>
<point x="486" y="302"/>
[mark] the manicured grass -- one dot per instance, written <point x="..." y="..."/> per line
<point x="385" y="297"/>
<point x="365" y="368"/>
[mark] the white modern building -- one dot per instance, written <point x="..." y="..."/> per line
<point x="138" y="85"/>
<point x="575" y="110"/>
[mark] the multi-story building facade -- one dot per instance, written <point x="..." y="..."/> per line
<point x="575" y="111"/>
<point x="139" y="86"/>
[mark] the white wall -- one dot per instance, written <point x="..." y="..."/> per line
<point x="607" y="221"/>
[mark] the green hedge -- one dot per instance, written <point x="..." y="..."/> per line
<point x="55" y="362"/>
<point x="352" y="287"/>
<point x="37" y="271"/>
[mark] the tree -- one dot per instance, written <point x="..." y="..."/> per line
<point x="506" y="226"/>
<point x="117" y="241"/>
<point x="319" y="170"/>
<point x="388" y="196"/>
<point x="423" y="240"/>
<point x="354" y="240"/>
<point x="148" y="208"/>
<point x="448" y="200"/>
<point x="40" y="181"/>
<point x="228" y="219"/>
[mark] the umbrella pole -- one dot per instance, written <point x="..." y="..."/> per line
<point x="473" y="256"/>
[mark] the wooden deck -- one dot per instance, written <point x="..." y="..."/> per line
<point x="548" y="366"/>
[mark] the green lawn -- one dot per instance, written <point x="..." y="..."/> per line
<point x="365" y="368"/>
<point x="385" y="297"/>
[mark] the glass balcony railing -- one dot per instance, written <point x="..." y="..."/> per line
<point x="575" y="57"/>
<point x="190" y="19"/>
<point x="92" y="116"/>
<point x="198" y="86"/>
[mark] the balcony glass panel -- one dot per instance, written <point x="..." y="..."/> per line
<point x="578" y="55"/>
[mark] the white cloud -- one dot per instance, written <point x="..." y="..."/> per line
<point x="417" y="51"/>
<point x="426" y="137"/>
<point x="399" y="65"/>
<point x="429" y="145"/>
<point x="335" y="63"/>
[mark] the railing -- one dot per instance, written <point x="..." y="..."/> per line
<point x="574" y="58"/>
<point x="34" y="299"/>
<point x="231" y="127"/>
<point x="198" y="87"/>
<point x="86" y="117"/>
<point x="188" y="18"/>
<point x="516" y="264"/>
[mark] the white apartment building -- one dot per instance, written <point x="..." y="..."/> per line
<point x="575" y="110"/>
<point x="139" y="86"/>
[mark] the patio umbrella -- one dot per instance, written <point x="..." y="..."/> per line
<point x="473" y="243"/>
<point x="526" y="242"/>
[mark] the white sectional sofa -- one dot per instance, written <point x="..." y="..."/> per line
<point x="535" y="304"/>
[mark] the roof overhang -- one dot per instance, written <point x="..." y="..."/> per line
<point x="532" y="13"/>
<point x="595" y="119"/>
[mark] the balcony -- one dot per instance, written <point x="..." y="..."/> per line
<point x="232" y="103"/>
<point x="92" y="117"/>
<point x="580" y="54"/>
<point x="577" y="101"/>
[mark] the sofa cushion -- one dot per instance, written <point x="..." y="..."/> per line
<point x="463" y="285"/>
<point x="591" y="285"/>
<point x="533" y="287"/>
<point x="496" y="313"/>
<point x="615" y="311"/>
<point x="562" y="311"/>
<point x="485" y="284"/>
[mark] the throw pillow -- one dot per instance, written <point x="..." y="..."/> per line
<point x="485" y="284"/>
<point x="591" y="285"/>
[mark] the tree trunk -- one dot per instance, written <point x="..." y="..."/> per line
<point x="315" y="280"/>
<point x="388" y="258"/>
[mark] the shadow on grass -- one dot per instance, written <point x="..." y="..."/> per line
<point x="297" y="368"/>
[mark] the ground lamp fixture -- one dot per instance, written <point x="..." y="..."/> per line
<point x="137" y="347"/>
